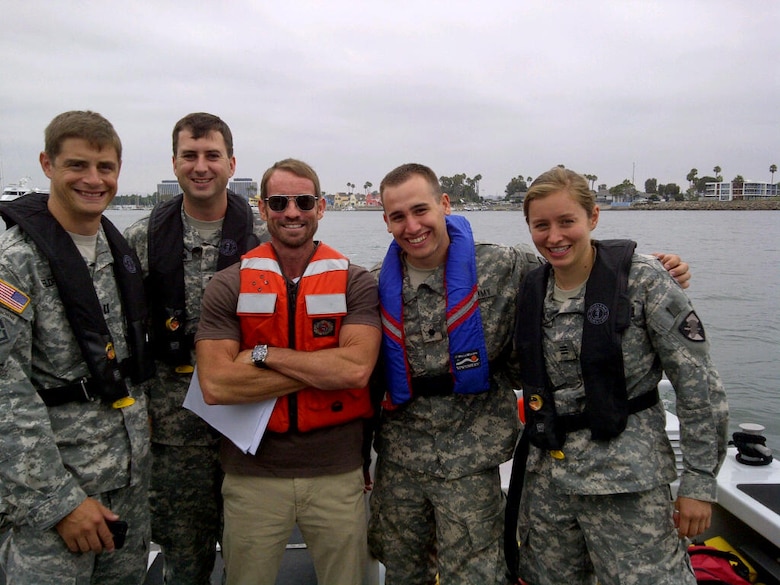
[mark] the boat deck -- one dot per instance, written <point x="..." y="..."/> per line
<point x="747" y="514"/>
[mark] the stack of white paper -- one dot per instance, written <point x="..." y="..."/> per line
<point x="244" y="424"/>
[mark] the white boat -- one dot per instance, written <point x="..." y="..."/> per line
<point x="16" y="190"/>
<point x="13" y="192"/>
<point x="746" y="517"/>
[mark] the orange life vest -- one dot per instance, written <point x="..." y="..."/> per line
<point x="307" y="318"/>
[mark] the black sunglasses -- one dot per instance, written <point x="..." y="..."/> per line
<point x="279" y="202"/>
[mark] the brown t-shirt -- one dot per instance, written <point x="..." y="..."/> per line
<point x="320" y="452"/>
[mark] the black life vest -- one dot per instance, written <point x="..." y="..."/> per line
<point x="607" y="315"/>
<point x="165" y="282"/>
<point x="82" y="306"/>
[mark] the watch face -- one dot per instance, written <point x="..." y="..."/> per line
<point x="259" y="353"/>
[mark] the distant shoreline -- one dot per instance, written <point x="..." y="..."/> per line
<point x="737" y="205"/>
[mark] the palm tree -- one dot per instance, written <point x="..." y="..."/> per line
<point x="367" y="185"/>
<point x="477" y="179"/>
<point x="773" y="170"/>
<point x="716" y="169"/>
<point x="691" y="177"/>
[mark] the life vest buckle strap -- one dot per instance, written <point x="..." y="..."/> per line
<point x="78" y="391"/>
<point x="576" y="422"/>
<point x="441" y="385"/>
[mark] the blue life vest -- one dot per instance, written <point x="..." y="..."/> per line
<point x="469" y="369"/>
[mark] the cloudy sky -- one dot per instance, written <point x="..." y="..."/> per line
<point x="620" y="89"/>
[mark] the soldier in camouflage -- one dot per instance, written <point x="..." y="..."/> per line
<point x="186" y="481"/>
<point x="602" y="509"/>
<point x="437" y="505"/>
<point x="69" y="465"/>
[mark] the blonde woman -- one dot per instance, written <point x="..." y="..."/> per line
<point x="597" y="327"/>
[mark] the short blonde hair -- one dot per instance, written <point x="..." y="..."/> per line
<point x="560" y="179"/>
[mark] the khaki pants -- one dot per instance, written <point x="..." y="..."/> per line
<point x="260" y="513"/>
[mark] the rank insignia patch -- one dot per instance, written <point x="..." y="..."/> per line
<point x="13" y="298"/>
<point x="691" y="328"/>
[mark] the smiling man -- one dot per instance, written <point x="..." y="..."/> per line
<point x="449" y="416"/>
<point x="181" y="245"/>
<point x="74" y="453"/>
<point x="297" y="321"/>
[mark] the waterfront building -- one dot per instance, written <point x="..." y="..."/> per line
<point x="246" y="187"/>
<point x="168" y="188"/>
<point x="749" y="190"/>
<point x="342" y="200"/>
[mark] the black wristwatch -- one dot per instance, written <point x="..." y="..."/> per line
<point x="259" y="353"/>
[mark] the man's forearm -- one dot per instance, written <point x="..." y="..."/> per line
<point x="227" y="376"/>
<point x="326" y="369"/>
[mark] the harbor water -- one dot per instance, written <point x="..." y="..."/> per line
<point x="735" y="289"/>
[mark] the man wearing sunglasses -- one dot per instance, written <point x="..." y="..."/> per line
<point x="296" y="322"/>
<point x="181" y="245"/>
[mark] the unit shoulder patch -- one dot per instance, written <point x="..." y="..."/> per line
<point x="692" y="328"/>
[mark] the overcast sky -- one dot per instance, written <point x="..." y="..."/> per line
<point x="619" y="89"/>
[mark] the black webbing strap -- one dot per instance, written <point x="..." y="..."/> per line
<point x="444" y="384"/>
<point x="514" y="493"/>
<point x="441" y="385"/>
<point x="576" y="422"/>
<point x="81" y="391"/>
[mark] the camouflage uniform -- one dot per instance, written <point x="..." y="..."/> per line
<point x="437" y="504"/>
<point x="185" y="494"/>
<point x="52" y="458"/>
<point x="607" y="504"/>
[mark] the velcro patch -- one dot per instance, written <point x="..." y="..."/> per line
<point x="692" y="328"/>
<point x="466" y="360"/>
<point x="13" y="298"/>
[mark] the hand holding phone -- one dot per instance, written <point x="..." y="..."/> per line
<point x="118" y="529"/>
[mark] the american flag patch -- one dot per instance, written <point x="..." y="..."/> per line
<point x="13" y="298"/>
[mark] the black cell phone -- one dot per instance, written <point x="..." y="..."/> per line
<point x="118" y="529"/>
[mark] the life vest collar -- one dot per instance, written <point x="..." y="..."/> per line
<point x="80" y="301"/>
<point x="469" y="370"/>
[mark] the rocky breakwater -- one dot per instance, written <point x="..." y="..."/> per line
<point x="736" y="205"/>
